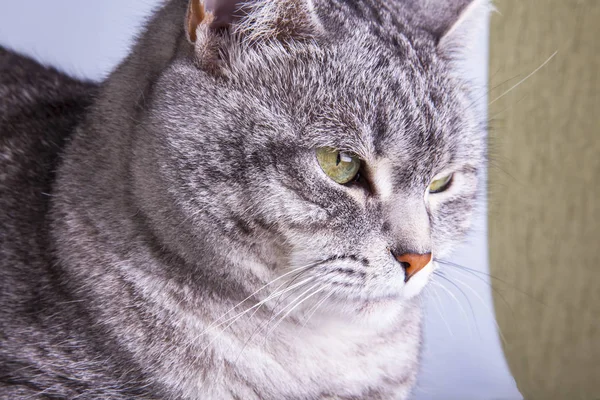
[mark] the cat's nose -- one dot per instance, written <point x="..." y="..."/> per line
<point x="413" y="263"/>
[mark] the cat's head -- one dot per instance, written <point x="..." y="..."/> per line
<point x="332" y="137"/>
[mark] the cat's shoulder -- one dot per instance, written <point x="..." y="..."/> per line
<point x="38" y="105"/>
<point x="39" y="109"/>
<point x="26" y="83"/>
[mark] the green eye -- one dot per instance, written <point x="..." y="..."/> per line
<point x="439" y="185"/>
<point x="340" y="166"/>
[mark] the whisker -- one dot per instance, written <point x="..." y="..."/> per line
<point x="460" y="305"/>
<point x="441" y="275"/>
<point x="453" y="264"/>
<point x="236" y="318"/>
<point x="483" y="303"/>
<point x="293" y="308"/>
<point x="475" y="271"/>
<point x="258" y="328"/>
<point x="475" y="293"/>
<point x="257" y="291"/>
<point x="487" y="91"/>
<point x="437" y="273"/>
<point x="286" y="307"/>
<point x="489" y="284"/>
<point x="446" y="290"/>
<point x="285" y="298"/>
<point x="239" y="315"/>
<point x="312" y="311"/>
<point x="435" y="302"/>
<point x="524" y="79"/>
<point x="257" y="309"/>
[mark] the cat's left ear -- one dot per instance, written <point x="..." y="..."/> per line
<point x="464" y="26"/>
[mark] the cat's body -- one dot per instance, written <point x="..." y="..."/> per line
<point x="50" y="347"/>
<point x="137" y="215"/>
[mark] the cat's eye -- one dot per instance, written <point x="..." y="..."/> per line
<point x="340" y="166"/>
<point x="441" y="184"/>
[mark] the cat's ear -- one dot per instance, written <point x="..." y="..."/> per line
<point x="211" y="24"/>
<point x="252" y="20"/>
<point x="200" y="33"/>
<point x="463" y="25"/>
<point x="195" y="17"/>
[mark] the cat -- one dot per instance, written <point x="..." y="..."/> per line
<point x="247" y="208"/>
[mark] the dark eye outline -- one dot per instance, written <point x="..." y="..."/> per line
<point x="360" y="181"/>
<point x="444" y="187"/>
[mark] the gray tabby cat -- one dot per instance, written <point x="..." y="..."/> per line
<point x="246" y="209"/>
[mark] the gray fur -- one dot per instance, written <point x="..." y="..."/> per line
<point x="137" y="214"/>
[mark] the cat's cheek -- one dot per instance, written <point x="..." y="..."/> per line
<point x="417" y="283"/>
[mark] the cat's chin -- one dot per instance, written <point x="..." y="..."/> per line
<point x="377" y="314"/>
<point x="381" y="308"/>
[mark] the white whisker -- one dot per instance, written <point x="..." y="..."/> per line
<point x="524" y="79"/>
<point x="435" y="302"/>
<point x="462" y="309"/>
<point x="236" y="318"/>
<point x="258" y="290"/>
<point x="444" y="277"/>
<point x="468" y="273"/>
<point x="270" y="297"/>
<point x="298" y="302"/>
<point x="315" y="307"/>
<point x="261" y="325"/>
<point x="483" y="303"/>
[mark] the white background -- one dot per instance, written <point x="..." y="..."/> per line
<point x="462" y="358"/>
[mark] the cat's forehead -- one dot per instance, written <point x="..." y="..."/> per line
<point x="357" y="96"/>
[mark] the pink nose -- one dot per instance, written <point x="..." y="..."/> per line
<point x="413" y="263"/>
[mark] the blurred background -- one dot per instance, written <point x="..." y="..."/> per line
<point x="544" y="204"/>
<point x="540" y="69"/>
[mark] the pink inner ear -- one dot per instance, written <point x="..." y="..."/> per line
<point x="195" y="16"/>
<point x="225" y="12"/>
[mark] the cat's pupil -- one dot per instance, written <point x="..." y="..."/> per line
<point x="338" y="160"/>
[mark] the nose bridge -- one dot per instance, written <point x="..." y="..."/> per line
<point x="409" y="223"/>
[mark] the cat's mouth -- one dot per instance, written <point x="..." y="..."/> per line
<point x="361" y="281"/>
<point x="417" y="281"/>
<point x="391" y="292"/>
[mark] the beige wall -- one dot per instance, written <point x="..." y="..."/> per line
<point x="545" y="194"/>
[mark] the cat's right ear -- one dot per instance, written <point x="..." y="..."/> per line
<point x="199" y="31"/>
<point x="195" y="15"/>
<point x="209" y="21"/>
<point x="205" y="15"/>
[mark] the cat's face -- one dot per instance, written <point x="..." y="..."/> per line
<point x="239" y="158"/>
